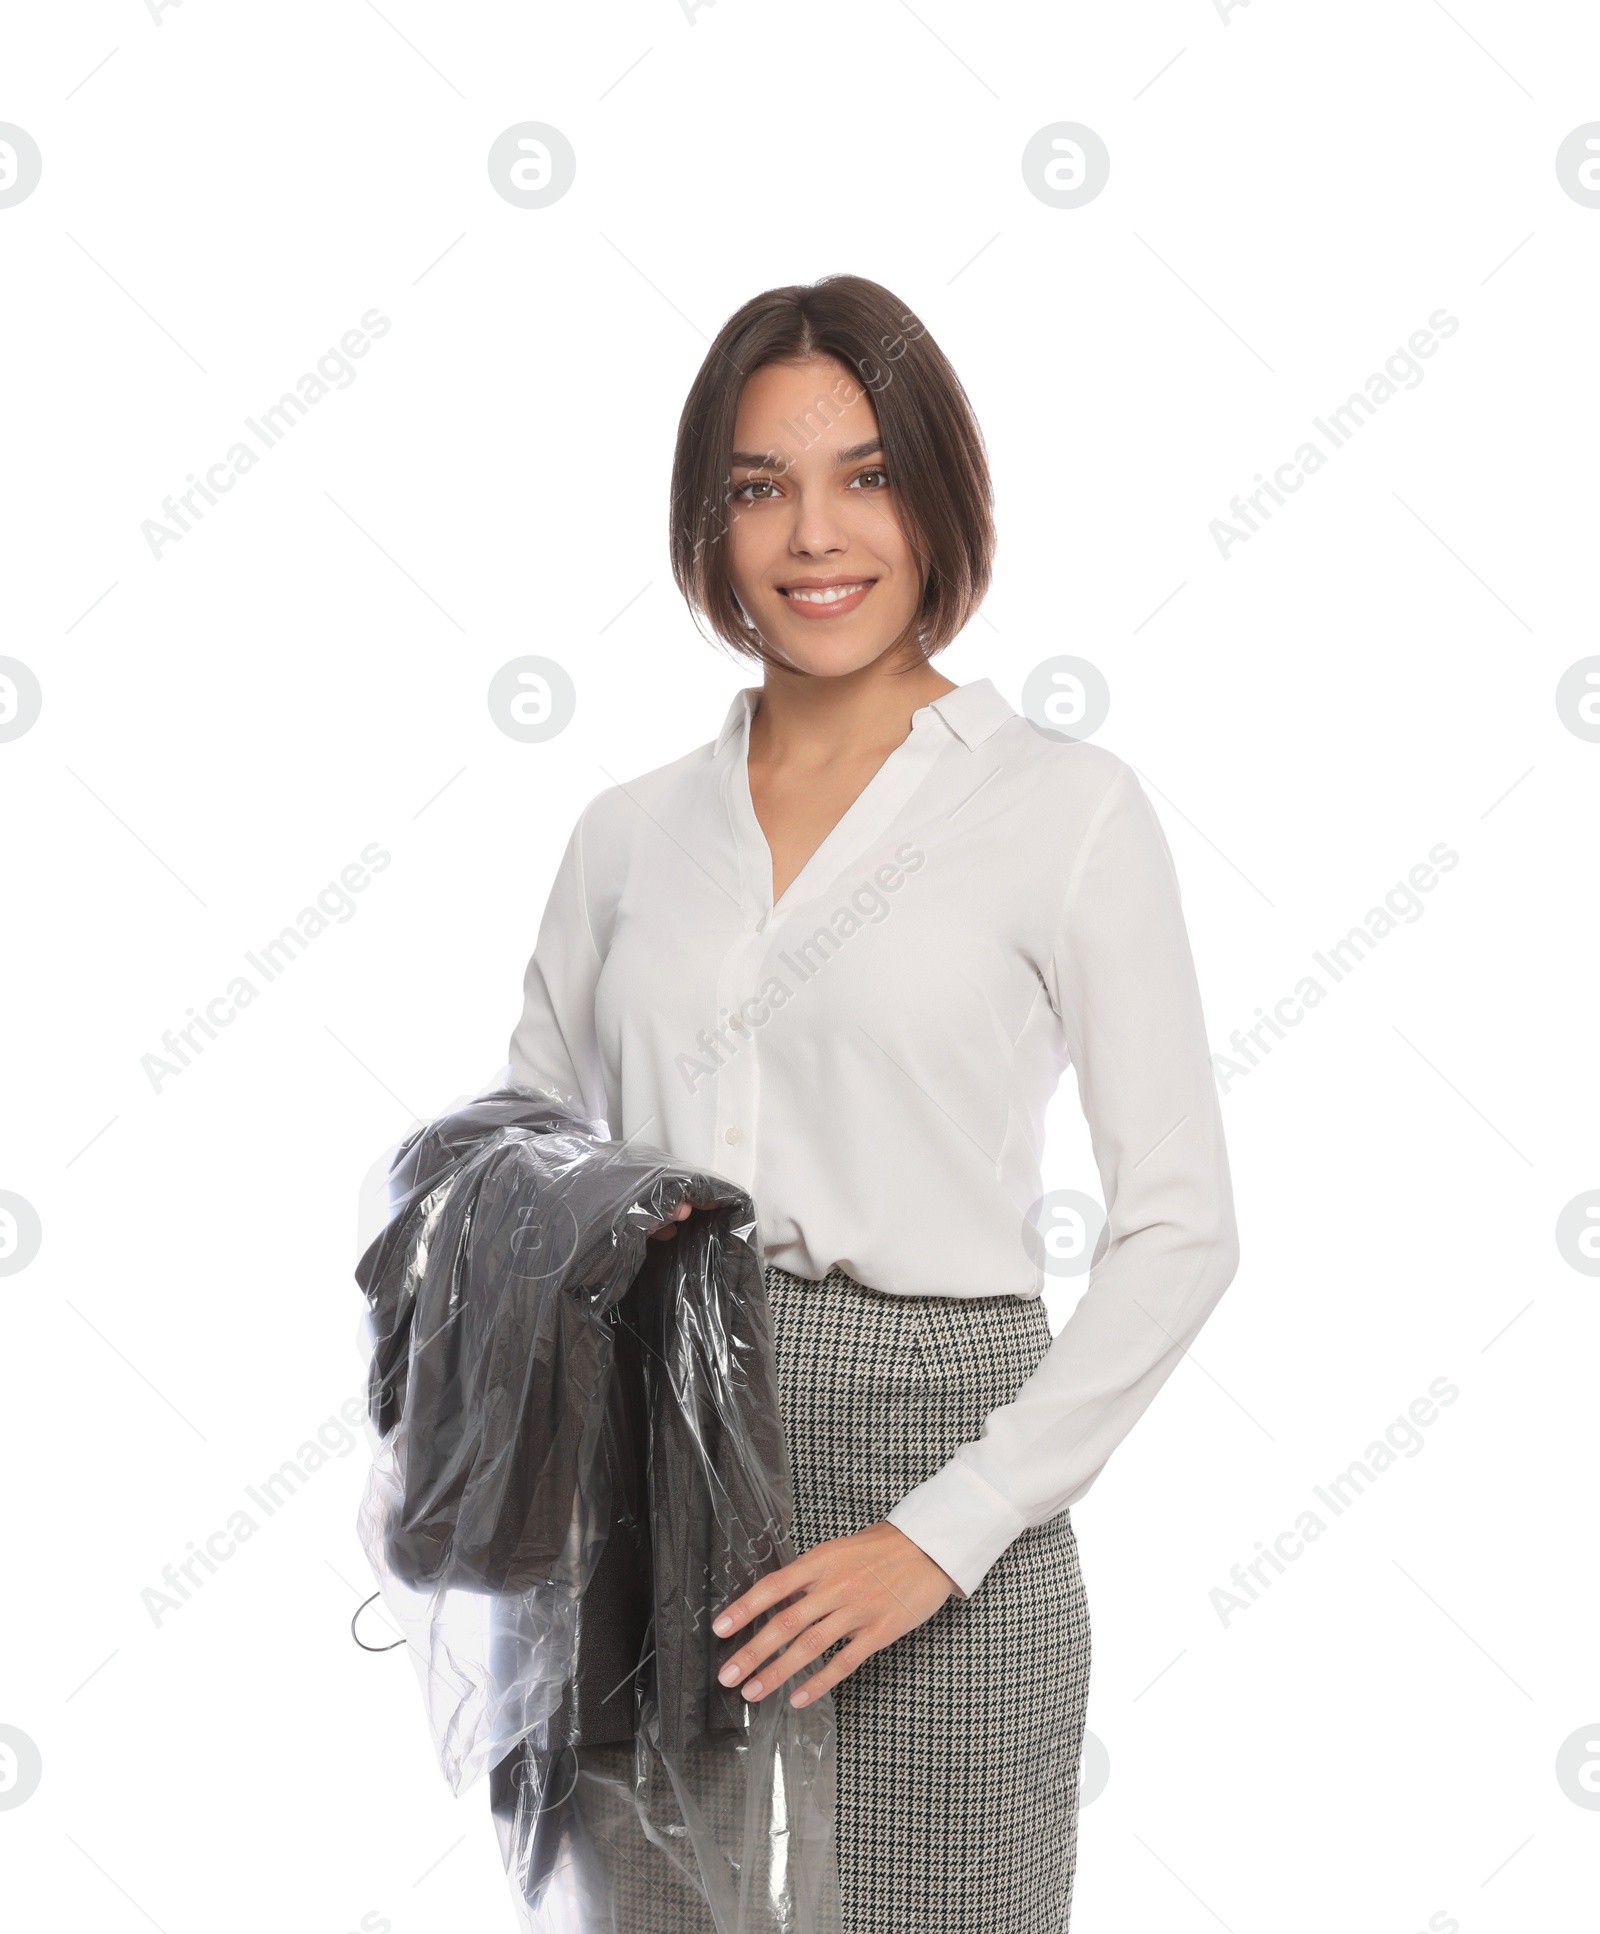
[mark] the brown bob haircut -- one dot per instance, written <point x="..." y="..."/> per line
<point x="932" y="448"/>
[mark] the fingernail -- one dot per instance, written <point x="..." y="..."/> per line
<point x="723" y="1624"/>
<point x="800" y="1698"/>
<point x="729" y="1673"/>
<point x="753" y="1688"/>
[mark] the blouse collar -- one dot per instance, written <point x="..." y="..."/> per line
<point x="971" y="712"/>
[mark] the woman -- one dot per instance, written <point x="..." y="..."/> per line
<point x="842" y="955"/>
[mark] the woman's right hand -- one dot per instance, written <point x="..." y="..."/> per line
<point x="665" y="1231"/>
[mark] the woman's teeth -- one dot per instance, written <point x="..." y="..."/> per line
<point x="831" y="595"/>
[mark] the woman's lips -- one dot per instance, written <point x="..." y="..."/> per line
<point x="802" y="599"/>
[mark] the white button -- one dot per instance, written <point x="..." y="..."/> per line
<point x="732" y="1135"/>
<point x="761" y="924"/>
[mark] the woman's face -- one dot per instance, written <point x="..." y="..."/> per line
<point x="816" y="553"/>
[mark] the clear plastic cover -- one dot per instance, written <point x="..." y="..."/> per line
<point x="580" y="1460"/>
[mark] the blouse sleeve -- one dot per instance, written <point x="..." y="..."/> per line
<point x="554" y="1047"/>
<point x="1122" y="979"/>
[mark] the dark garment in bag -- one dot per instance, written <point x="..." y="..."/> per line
<point x="581" y="1436"/>
<point x="499" y="1292"/>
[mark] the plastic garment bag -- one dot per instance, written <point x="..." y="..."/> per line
<point x="580" y="1462"/>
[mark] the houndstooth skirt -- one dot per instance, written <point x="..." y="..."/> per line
<point x="958" y="1746"/>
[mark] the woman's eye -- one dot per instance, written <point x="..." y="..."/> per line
<point x="872" y="479"/>
<point x="747" y="490"/>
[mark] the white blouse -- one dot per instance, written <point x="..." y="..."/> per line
<point x="871" y="1057"/>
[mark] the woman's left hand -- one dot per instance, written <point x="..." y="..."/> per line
<point x="870" y="1588"/>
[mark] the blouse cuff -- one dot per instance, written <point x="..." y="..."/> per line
<point x="961" y="1522"/>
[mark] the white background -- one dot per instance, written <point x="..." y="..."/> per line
<point x="1293" y="191"/>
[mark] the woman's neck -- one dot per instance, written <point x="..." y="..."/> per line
<point x="806" y="719"/>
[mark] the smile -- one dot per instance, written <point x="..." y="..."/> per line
<point x="827" y="600"/>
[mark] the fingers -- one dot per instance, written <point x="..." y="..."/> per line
<point x="778" y="1632"/>
<point x="802" y="1650"/>
<point x="771" y="1590"/>
<point x="666" y="1230"/>
<point x="783" y="1628"/>
<point x="867" y="1589"/>
<point x="840" y="1666"/>
<point x="669" y="1229"/>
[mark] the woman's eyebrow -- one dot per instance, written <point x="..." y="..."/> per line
<point x="749" y="460"/>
